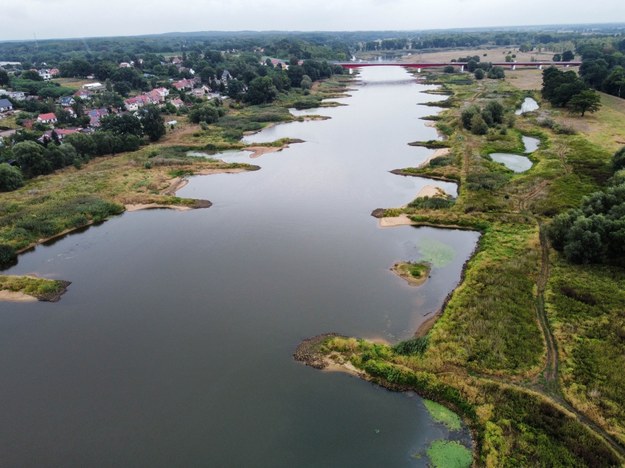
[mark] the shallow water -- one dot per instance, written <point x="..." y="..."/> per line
<point x="531" y="144"/>
<point x="514" y="162"/>
<point x="173" y="344"/>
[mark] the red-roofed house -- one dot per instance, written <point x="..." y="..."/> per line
<point x="183" y="84"/>
<point x="47" y="118"/>
<point x="177" y="103"/>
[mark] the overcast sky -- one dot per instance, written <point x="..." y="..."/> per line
<point x="23" y="19"/>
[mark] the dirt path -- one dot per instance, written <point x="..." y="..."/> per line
<point x="551" y="367"/>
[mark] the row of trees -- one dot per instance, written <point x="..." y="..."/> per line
<point x="595" y="233"/>
<point x="567" y="89"/>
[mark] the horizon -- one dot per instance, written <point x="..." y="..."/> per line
<point x="216" y="32"/>
<point x="27" y="20"/>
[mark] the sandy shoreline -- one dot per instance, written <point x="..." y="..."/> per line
<point x="151" y="206"/>
<point x="431" y="191"/>
<point x="436" y="154"/>
<point x="12" y="296"/>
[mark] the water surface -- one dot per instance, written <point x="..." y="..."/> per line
<point x="173" y="344"/>
<point x="514" y="162"/>
<point x="528" y="105"/>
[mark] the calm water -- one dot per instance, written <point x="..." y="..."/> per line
<point x="173" y="345"/>
<point x="531" y="144"/>
<point x="514" y="162"/>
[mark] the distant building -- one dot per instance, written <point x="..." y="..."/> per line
<point x="17" y="95"/>
<point x="5" y="105"/>
<point x="93" y="86"/>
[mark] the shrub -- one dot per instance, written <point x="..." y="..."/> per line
<point x="7" y="255"/>
<point x="417" y="345"/>
<point x="10" y="178"/>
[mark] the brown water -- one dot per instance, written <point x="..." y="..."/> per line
<point x="173" y="344"/>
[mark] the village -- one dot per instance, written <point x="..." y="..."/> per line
<point x="83" y="110"/>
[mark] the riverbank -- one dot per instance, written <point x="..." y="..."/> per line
<point x="489" y="354"/>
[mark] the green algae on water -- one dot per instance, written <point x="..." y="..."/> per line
<point x="443" y="415"/>
<point x="446" y="454"/>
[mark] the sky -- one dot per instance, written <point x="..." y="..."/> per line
<point x="43" y="19"/>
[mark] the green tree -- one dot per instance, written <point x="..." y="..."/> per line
<point x="496" y="110"/>
<point x="153" y="123"/>
<point x="205" y="112"/>
<point x="261" y="91"/>
<point x="31" y="75"/>
<point x="306" y="82"/>
<point x="567" y="56"/>
<point x="4" y="78"/>
<point x="479" y="74"/>
<point x="618" y="160"/>
<point x="30" y="156"/>
<point x="122" y="124"/>
<point x="585" y="101"/>
<point x="496" y="73"/>
<point x="478" y="125"/>
<point x="236" y="89"/>
<point x="10" y="178"/>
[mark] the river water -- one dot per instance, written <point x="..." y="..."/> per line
<point x="173" y="345"/>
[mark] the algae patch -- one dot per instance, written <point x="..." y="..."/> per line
<point x="445" y="454"/>
<point x="443" y="415"/>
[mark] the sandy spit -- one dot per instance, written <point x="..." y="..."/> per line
<point x="11" y="296"/>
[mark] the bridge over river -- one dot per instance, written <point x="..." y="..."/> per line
<point x="461" y="65"/>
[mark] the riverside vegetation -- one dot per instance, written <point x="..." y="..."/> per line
<point x="529" y="349"/>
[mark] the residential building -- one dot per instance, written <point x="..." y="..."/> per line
<point x="5" y="105"/>
<point x="49" y="118"/>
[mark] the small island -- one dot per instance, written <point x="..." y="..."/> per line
<point x="31" y="288"/>
<point x="414" y="273"/>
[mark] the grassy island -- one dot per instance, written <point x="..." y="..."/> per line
<point x="24" y="287"/>
<point x="414" y="273"/>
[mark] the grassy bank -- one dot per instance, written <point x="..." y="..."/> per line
<point x="528" y="348"/>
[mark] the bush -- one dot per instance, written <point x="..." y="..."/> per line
<point x="10" y="178"/>
<point x="618" y="160"/>
<point x="7" y="255"/>
<point x="479" y="74"/>
<point x="431" y="203"/>
<point x="485" y="181"/>
<point x="416" y="345"/>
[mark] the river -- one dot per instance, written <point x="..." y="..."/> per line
<point x="173" y="345"/>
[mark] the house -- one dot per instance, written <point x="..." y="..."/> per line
<point x="177" y="103"/>
<point x="5" y="105"/>
<point x="66" y="101"/>
<point x="95" y="115"/>
<point x="93" y="86"/>
<point x="183" y="84"/>
<point x="60" y="134"/>
<point x="84" y="94"/>
<point x="163" y="92"/>
<point x="44" y="73"/>
<point x="137" y="102"/>
<point x="17" y="95"/>
<point x="49" y="118"/>
<point x="226" y="76"/>
<point x="125" y="65"/>
<point x="54" y="72"/>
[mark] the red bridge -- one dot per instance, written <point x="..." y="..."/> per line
<point x="461" y="65"/>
